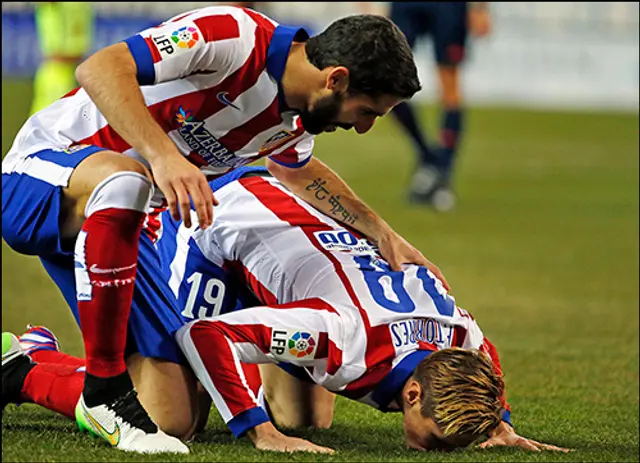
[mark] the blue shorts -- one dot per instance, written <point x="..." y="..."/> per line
<point x="446" y="22"/>
<point x="31" y="216"/>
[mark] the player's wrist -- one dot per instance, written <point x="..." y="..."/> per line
<point x="501" y="429"/>
<point x="381" y="231"/>
<point x="160" y="153"/>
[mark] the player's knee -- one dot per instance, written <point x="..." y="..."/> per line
<point x="322" y="420"/>
<point x="104" y="179"/>
<point x="168" y="392"/>
<point x="121" y="190"/>
<point x="180" y="422"/>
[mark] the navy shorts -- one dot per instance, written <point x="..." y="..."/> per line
<point x="31" y="216"/>
<point x="445" y="22"/>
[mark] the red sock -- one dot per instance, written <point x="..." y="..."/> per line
<point x="106" y="259"/>
<point x="59" y="358"/>
<point x="55" y="387"/>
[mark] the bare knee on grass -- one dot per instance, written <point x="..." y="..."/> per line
<point x="84" y="180"/>
<point x="294" y="403"/>
<point x="169" y="393"/>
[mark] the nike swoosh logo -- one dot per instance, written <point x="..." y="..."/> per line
<point x="112" y="437"/>
<point x="222" y="98"/>
<point x="95" y="269"/>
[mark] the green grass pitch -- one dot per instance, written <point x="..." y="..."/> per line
<point x="542" y="249"/>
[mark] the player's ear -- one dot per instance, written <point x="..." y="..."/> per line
<point x="412" y="393"/>
<point x="338" y="79"/>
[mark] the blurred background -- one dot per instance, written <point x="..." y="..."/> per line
<point x="542" y="244"/>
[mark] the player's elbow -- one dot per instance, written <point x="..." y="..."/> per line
<point x="287" y="175"/>
<point x="115" y="58"/>
<point x="82" y="73"/>
<point x="278" y="171"/>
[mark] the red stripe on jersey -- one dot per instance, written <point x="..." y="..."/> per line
<point x="287" y="209"/>
<point x="459" y="333"/>
<point x="260" y="20"/>
<point x="365" y="383"/>
<point x="252" y="375"/>
<point x="218" y="27"/>
<point x="335" y="358"/>
<point x="210" y="340"/>
<point x="260" y="335"/>
<point x="108" y="138"/>
<point x="72" y="92"/>
<point x="236" y="138"/>
<point x="314" y="303"/>
<point x="261" y="292"/>
<point x="288" y="156"/>
<point x="154" y="50"/>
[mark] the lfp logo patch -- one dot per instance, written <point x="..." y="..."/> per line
<point x="185" y="37"/>
<point x="301" y="344"/>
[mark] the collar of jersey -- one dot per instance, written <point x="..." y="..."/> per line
<point x="278" y="52"/>
<point x="391" y="385"/>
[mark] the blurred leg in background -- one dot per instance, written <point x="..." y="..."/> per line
<point x="65" y="34"/>
<point x="447" y="23"/>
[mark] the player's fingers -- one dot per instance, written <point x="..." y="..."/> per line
<point x="209" y="196"/>
<point x="438" y="273"/>
<point x="395" y="263"/>
<point x="444" y="281"/>
<point x="172" y="203"/>
<point x="183" y="204"/>
<point x="487" y="444"/>
<point x="550" y="447"/>
<point x="202" y="204"/>
<point x="527" y="445"/>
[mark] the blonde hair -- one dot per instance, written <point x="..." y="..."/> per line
<point x="461" y="391"/>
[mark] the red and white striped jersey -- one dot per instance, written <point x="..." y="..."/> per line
<point x="210" y="78"/>
<point x="332" y="305"/>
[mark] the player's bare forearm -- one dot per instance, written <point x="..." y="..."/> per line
<point x="109" y="78"/>
<point x="321" y="187"/>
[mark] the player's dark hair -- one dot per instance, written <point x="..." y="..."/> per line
<point x="373" y="49"/>
<point x="462" y="391"/>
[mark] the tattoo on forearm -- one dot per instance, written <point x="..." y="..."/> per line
<point x="321" y="193"/>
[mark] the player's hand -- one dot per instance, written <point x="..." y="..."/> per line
<point x="505" y="436"/>
<point x="266" y="437"/>
<point x="479" y="22"/>
<point x="397" y="251"/>
<point x="180" y="180"/>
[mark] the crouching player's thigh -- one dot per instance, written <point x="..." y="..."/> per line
<point x="166" y="386"/>
<point x="293" y="400"/>
<point x="171" y="394"/>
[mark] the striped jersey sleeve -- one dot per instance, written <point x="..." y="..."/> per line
<point x="209" y="40"/>
<point x="302" y="333"/>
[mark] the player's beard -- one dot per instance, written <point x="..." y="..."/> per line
<point x="323" y="115"/>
